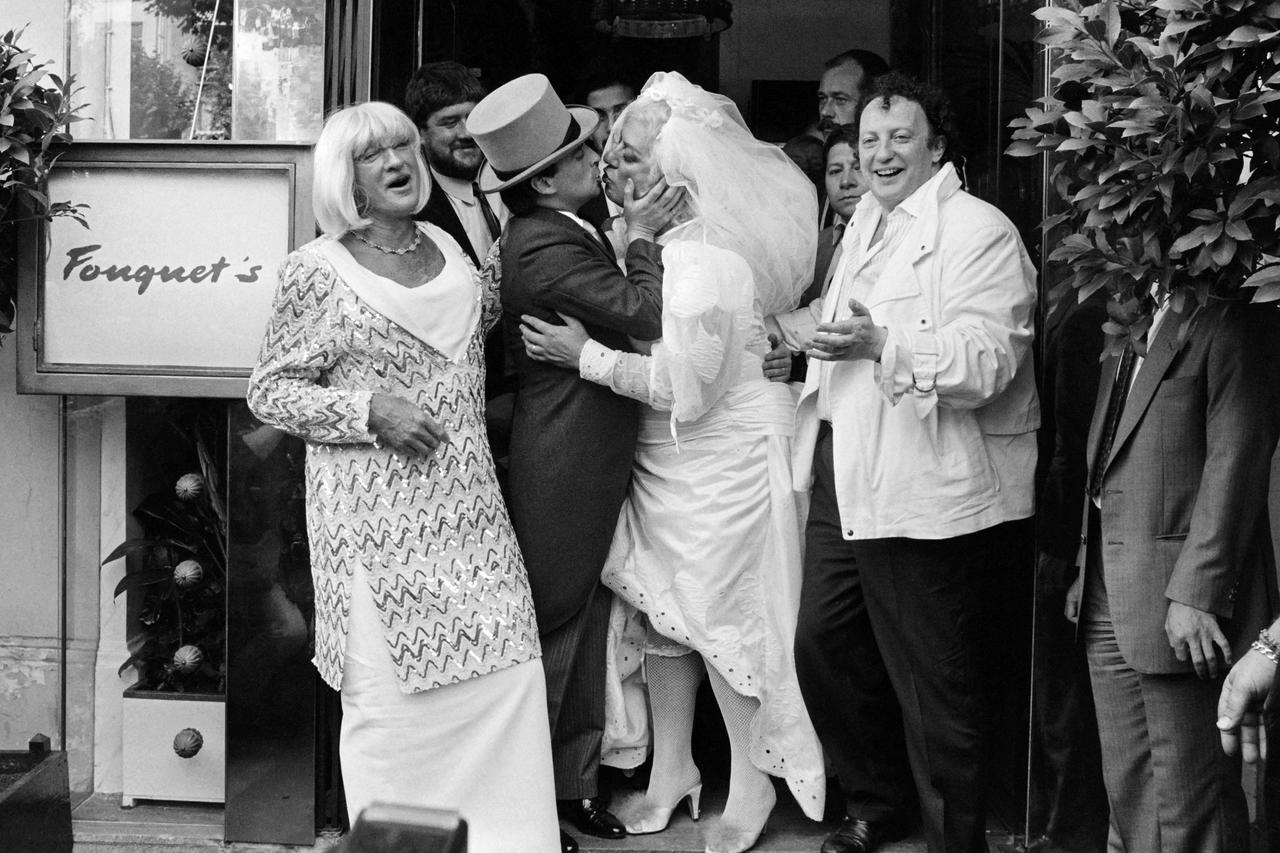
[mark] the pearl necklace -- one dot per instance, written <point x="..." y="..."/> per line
<point x="414" y="244"/>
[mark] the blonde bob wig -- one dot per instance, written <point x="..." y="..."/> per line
<point x="347" y="133"/>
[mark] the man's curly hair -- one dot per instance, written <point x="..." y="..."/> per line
<point x="932" y="99"/>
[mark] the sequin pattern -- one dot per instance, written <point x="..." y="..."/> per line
<point x="443" y="563"/>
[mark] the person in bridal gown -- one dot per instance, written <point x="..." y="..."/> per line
<point x="707" y="546"/>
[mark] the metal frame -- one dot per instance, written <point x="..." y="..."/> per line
<point x="36" y="375"/>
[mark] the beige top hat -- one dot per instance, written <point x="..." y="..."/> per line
<point x="522" y="127"/>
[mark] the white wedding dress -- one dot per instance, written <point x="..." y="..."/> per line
<point x="708" y="542"/>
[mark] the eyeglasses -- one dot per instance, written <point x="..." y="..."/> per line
<point x="374" y="154"/>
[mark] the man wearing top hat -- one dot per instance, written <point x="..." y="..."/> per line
<point x="572" y="441"/>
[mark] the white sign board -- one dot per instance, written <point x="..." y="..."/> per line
<point x="172" y="282"/>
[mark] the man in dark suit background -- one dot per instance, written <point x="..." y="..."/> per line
<point x="608" y="91"/>
<point x="1180" y="572"/>
<point x="439" y="97"/>
<point x="1068" y="802"/>
<point x="572" y="441"/>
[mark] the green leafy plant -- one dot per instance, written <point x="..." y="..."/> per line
<point x="1162" y="135"/>
<point x="179" y="567"/>
<point x="33" y="122"/>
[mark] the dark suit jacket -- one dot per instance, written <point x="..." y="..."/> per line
<point x="440" y="213"/>
<point x="572" y="441"/>
<point x="823" y="269"/>
<point x="1073" y="341"/>
<point x="1184" y="502"/>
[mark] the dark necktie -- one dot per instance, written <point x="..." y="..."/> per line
<point x="490" y="218"/>
<point x="608" y="244"/>
<point x="1115" y="408"/>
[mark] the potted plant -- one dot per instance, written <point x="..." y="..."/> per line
<point x="174" y="716"/>
<point x="33" y="122"/>
<point x="1162" y="135"/>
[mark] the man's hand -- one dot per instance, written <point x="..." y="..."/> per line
<point x="1241" y="705"/>
<point x="649" y="215"/>
<point x="404" y="427"/>
<point x="777" y="362"/>
<point x="1195" y="632"/>
<point x="849" y="340"/>
<point x="1075" y="593"/>
<point x="1053" y="575"/>
<point x="558" y="345"/>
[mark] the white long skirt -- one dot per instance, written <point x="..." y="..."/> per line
<point x="481" y="747"/>
<point x="708" y="549"/>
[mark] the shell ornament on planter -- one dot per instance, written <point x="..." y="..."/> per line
<point x="187" y="659"/>
<point x="188" y="573"/>
<point x="188" y="742"/>
<point x="189" y="486"/>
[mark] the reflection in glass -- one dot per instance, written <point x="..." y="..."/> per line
<point x="279" y="70"/>
<point x="198" y="69"/>
<point x="271" y="696"/>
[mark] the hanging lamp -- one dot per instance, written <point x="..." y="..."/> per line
<point x="662" y="19"/>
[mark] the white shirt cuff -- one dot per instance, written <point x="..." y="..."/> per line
<point x="596" y="362"/>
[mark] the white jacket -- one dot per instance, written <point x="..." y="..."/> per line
<point x="938" y="439"/>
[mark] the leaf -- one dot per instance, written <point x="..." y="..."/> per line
<point x="1022" y="149"/>
<point x="1269" y="292"/>
<point x="1247" y="35"/>
<point x="1177" y="27"/>
<point x="1076" y="144"/>
<point x="1112" y="17"/>
<point x="133" y="580"/>
<point x="1238" y="230"/>
<point x="1202" y="235"/>
<point x="1267" y="275"/>
<point x="1050" y="222"/>
<point x="1223" y="250"/>
<point x="1057" y="15"/>
<point x="129" y="546"/>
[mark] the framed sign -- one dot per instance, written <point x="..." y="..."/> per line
<point x="168" y="291"/>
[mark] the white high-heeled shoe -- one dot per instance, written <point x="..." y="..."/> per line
<point x="651" y="818"/>
<point x="728" y="838"/>
<point x="724" y="838"/>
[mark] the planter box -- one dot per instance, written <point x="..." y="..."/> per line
<point x="165" y="761"/>
<point x="35" y="804"/>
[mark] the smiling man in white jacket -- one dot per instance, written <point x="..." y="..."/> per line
<point x="916" y="433"/>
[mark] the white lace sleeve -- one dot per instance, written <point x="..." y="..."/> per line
<point x="626" y="373"/>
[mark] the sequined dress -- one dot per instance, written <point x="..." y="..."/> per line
<point x="424" y="620"/>
<point x="442" y="561"/>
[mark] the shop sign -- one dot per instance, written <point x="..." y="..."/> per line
<point x="168" y="290"/>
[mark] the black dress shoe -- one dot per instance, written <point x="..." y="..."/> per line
<point x="860" y="836"/>
<point x="589" y="816"/>
<point x="567" y="843"/>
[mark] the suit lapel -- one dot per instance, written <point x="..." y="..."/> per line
<point x="564" y="223"/>
<point x="836" y="254"/>
<point x="439" y="212"/>
<point x="1159" y="356"/>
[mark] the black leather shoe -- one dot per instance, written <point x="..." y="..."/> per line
<point x="568" y="844"/>
<point x="860" y="836"/>
<point x="589" y="816"/>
